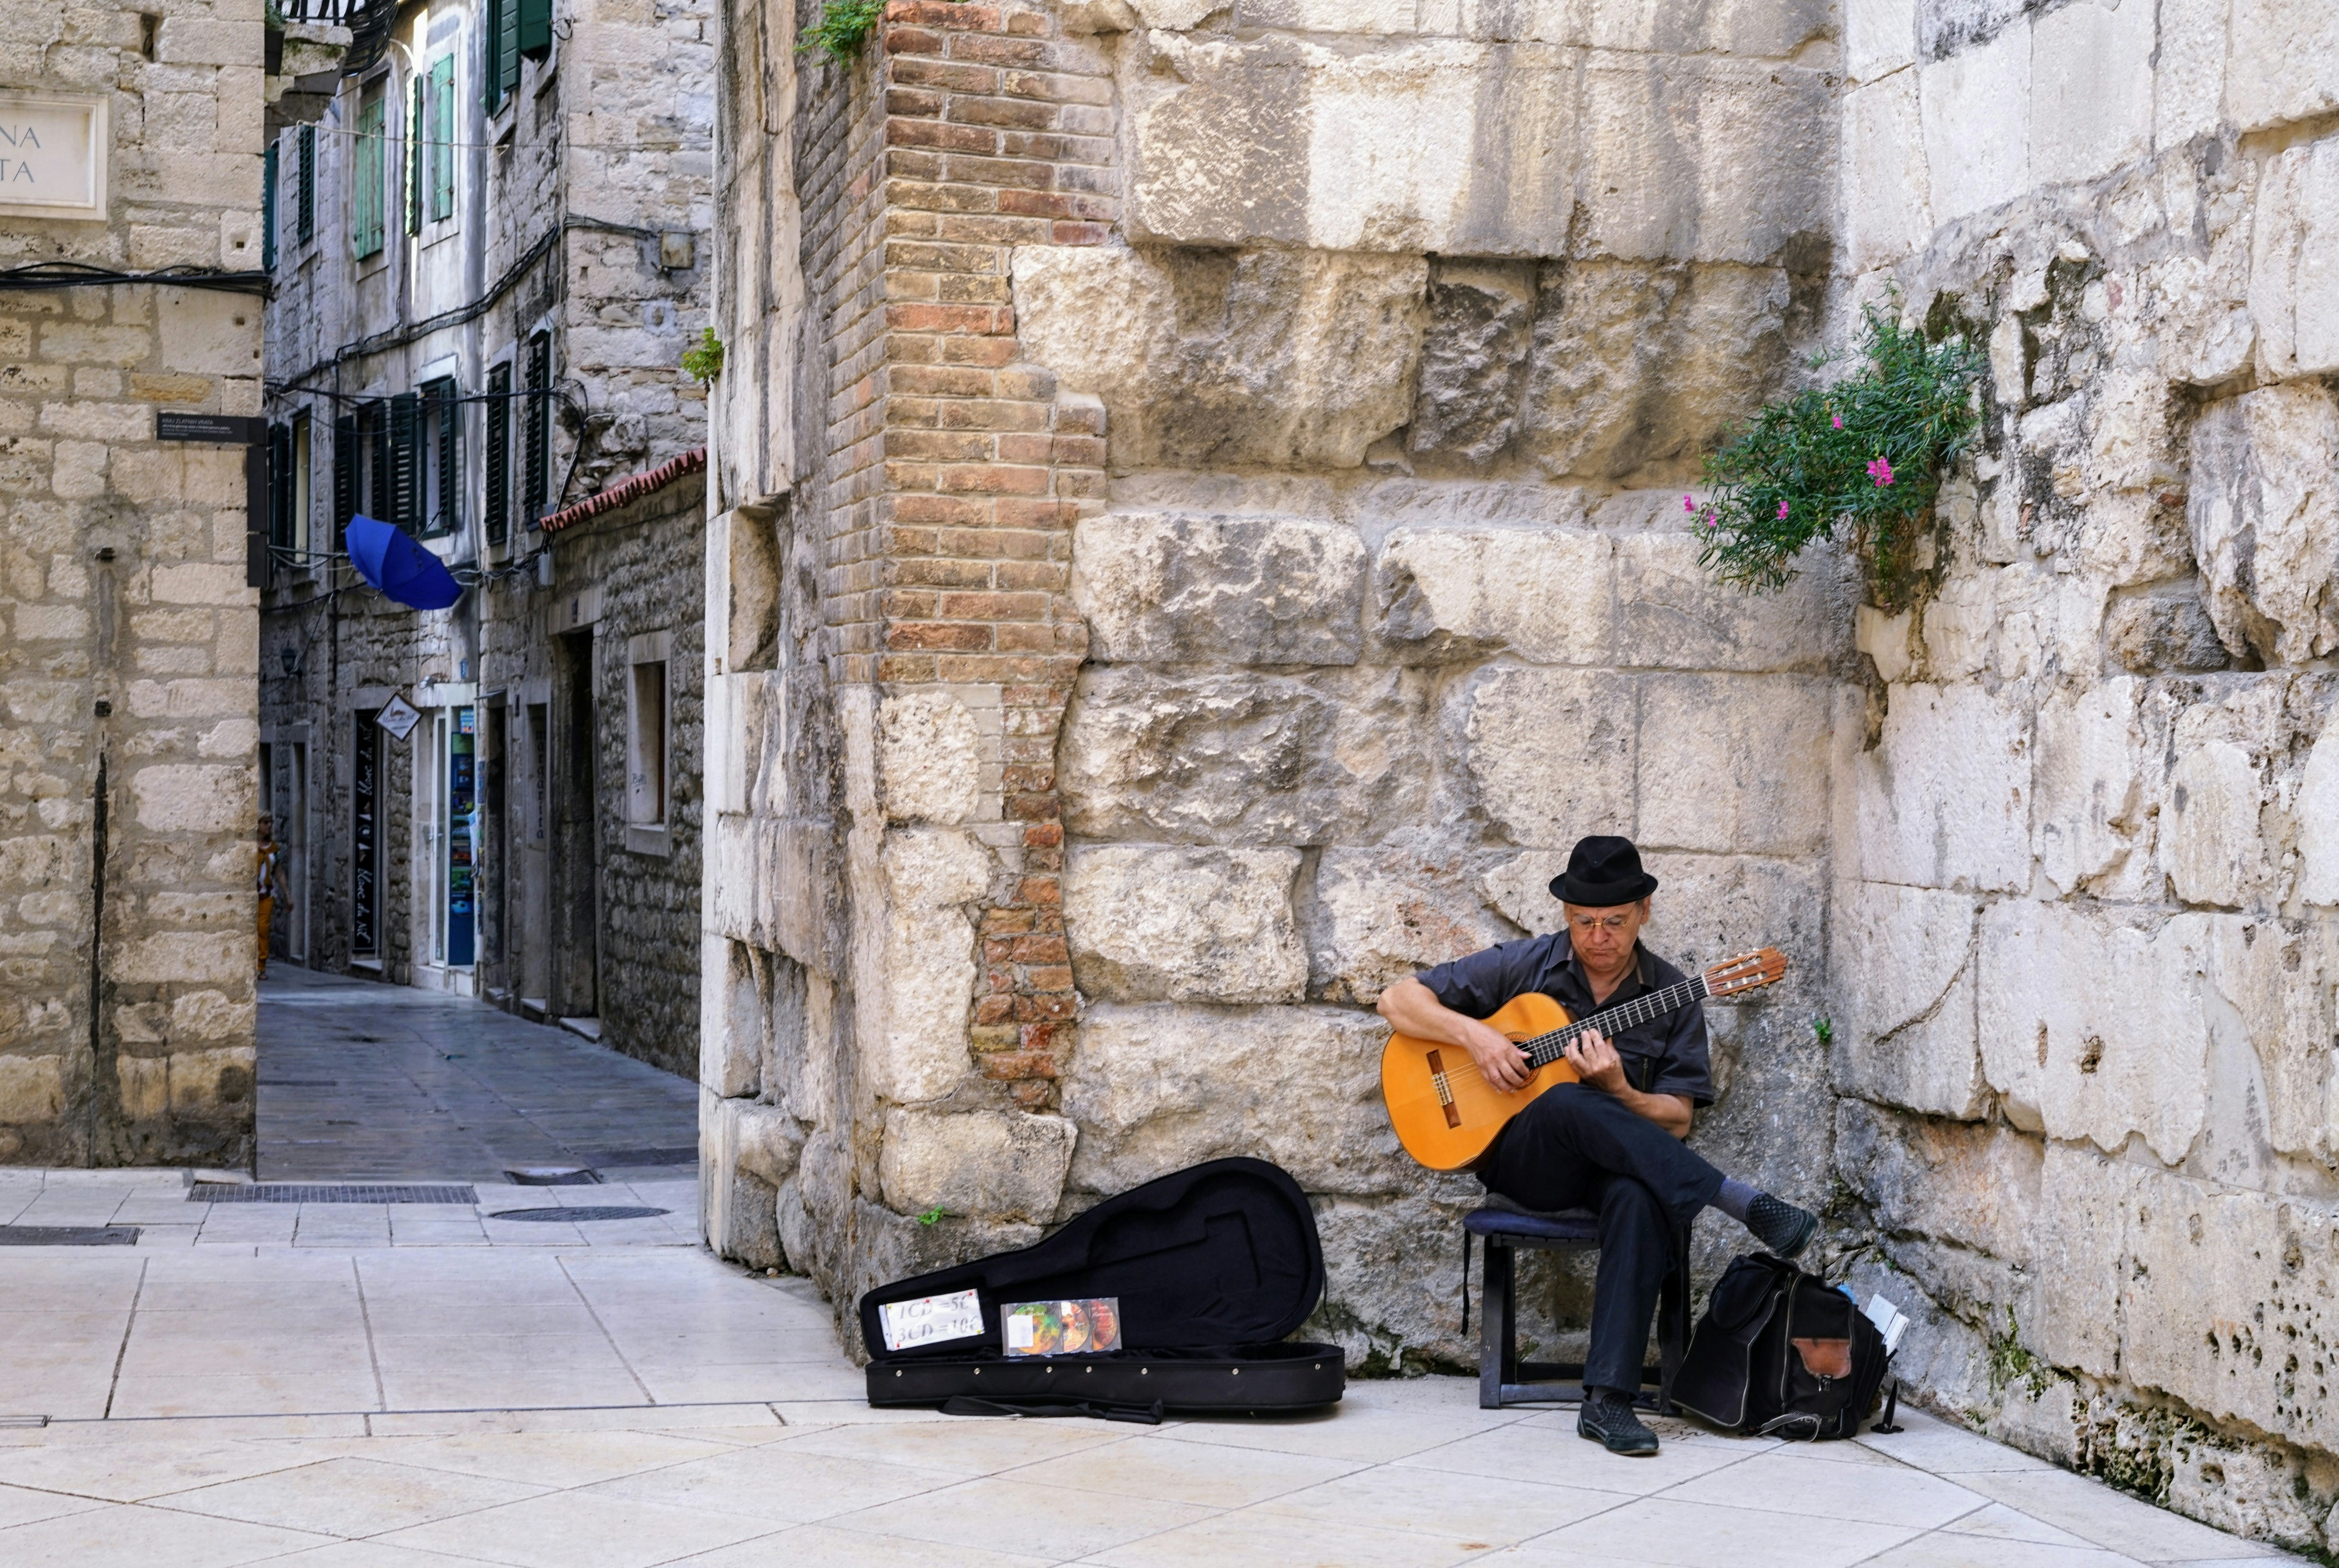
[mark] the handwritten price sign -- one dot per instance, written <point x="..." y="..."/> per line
<point x="930" y="1319"/>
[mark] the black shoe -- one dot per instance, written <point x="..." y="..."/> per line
<point x="1782" y="1228"/>
<point x="1610" y="1421"/>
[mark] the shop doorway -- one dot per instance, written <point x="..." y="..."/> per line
<point x="577" y="838"/>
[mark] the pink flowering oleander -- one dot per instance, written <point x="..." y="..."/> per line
<point x="1688" y="505"/>
<point x="1838" y="421"/>
<point x="1880" y="471"/>
<point x="1783" y="512"/>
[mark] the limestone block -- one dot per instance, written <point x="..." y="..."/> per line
<point x="211" y="1083"/>
<point x="1944" y="798"/>
<point x="184" y="957"/>
<point x="2091" y="89"/>
<point x="1885" y="640"/>
<point x="209" y="1015"/>
<point x="2079" y="1245"/>
<point x="1207" y="359"/>
<point x="2265" y="527"/>
<point x="1481" y="324"/>
<point x="922" y="953"/>
<point x="2316" y="811"/>
<point x="2091" y="1029"/>
<point x="1636" y="365"/>
<point x="2283" y="64"/>
<point x="1733" y="762"/>
<point x="191" y="797"/>
<point x="1704" y="158"/>
<point x="205" y="332"/>
<point x="1670" y="612"/>
<point x="2089" y="817"/>
<point x="733" y="1021"/>
<point x="929" y="758"/>
<point x="2211" y="843"/>
<point x="1903" y="967"/>
<point x="2293" y="288"/>
<point x="1170" y="587"/>
<point x="1549" y="755"/>
<point x="1976" y="118"/>
<point x="31" y="1090"/>
<point x="1156" y="1088"/>
<point x="1385" y="913"/>
<point x="2226" y="1304"/>
<point x="2188" y="82"/>
<point x="768" y="1142"/>
<point x="1886" y="199"/>
<point x="1149" y="924"/>
<point x="1778" y="28"/>
<point x="738" y="1210"/>
<point x="145" y="1083"/>
<point x="1880" y="37"/>
<point x="1335" y="756"/>
<point x="1974" y="1184"/>
<point x="2277" y="977"/>
<point x="1432" y="145"/>
<point x="978" y="1164"/>
<point x="1452" y="594"/>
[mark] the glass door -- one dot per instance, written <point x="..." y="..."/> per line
<point x="462" y="837"/>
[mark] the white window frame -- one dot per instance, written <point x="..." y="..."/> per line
<point x="649" y="743"/>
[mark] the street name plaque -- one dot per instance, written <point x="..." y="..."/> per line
<point x="53" y="150"/>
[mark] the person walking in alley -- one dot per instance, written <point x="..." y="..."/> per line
<point x="274" y="894"/>
<point x="1611" y="1142"/>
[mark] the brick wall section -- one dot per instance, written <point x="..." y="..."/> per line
<point x="998" y="133"/>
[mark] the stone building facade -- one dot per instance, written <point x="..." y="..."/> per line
<point x="130" y="293"/>
<point x="1199" y="535"/>
<point x="490" y="257"/>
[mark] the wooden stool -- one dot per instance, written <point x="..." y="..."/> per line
<point x="1503" y="1377"/>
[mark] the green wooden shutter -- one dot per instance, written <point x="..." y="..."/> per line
<point x="406" y="462"/>
<point x="280" y="495"/>
<point x="376" y="496"/>
<point x="537" y="477"/>
<point x="365" y="195"/>
<point x="508" y="46"/>
<point x="447" y="504"/>
<point x="414" y="128"/>
<point x="345" y="477"/>
<point x="442" y="138"/>
<point x="305" y="215"/>
<point x="535" y="27"/>
<point x="491" y="68"/>
<point x="499" y="500"/>
<point x="268" y="209"/>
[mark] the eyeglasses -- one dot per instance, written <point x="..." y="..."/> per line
<point x="1589" y="924"/>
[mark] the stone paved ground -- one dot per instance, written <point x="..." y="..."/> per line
<point x="352" y="1386"/>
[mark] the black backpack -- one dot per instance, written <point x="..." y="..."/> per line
<point x="1782" y="1354"/>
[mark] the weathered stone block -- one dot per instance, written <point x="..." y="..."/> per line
<point x="2151" y="633"/>
<point x="919" y="942"/>
<point x="1976" y="107"/>
<point x="1733" y="762"/>
<point x="31" y="1090"/>
<point x="930" y="763"/>
<point x="1246" y="590"/>
<point x="1481" y="321"/>
<point x="1639" y="365"/>
<point x="1449" y="595"/>
<point x="2210" y="843"/>
<point x="1382" y="914"/>
<point x="1880" y="37"/>
<point x="2277" y="977"/>
<point x="1887" y="201"/>
<point x="2317" y="815"/>
<point x="2089" y="818"/>
<point x="1246" y="758"/>
<point x="1156" y="1089"/>
<point x="2264" y="470"/>
<point x="1151" y="924"/>
<point x="1944" y="798"/>
<point x="2293" y="291"/>
<point x="2079" y="1248"/>
<point x="2282" y="62"/>
<point x="191" y="797"/>
<point x="1672" y="614"/>
<point x="2091" y="89"/>
<point x="977" y="1164"/>
<point x="1903" y="966"/>
<point x="2095" y="1030"/>
<point x="1549" y="755"/>
<point x="1973" y="1186"/>
<point x="213" y="1084"/>
<point x="732" y="1021"/>
<point x="1207" y="358"/>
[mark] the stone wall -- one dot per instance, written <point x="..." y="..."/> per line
<point x="127" y="635"/>
<point x="2084" y="937"/>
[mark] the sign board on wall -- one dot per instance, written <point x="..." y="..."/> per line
<point x="54" y="151"/>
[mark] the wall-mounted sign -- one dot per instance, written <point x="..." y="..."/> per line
<point x="54" y="151"/>
<point x="399" y="717"/>
<point x="231" y="429"/>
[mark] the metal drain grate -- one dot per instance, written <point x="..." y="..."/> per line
<point x="581" y="1212"/>
<point x="326" y="1193"/>
<point x="68" y="1236"/>
<point x="615" y="1159"/>
<point x="552" y="1176"/>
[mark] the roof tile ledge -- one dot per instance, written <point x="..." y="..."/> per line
<point x="628" y="490"/>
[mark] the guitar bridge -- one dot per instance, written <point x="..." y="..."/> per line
<point x="1445" y="1089"/>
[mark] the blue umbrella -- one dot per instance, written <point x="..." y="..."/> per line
<point x="398" y="566"/>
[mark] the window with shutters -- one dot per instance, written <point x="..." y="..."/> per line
<point x="442" y="456"/>
<point x="406" y="462"/>
<point x="303" y="523"/>
<point x="499" y="476"/>
<point x="281" y="543"/>
<point x="505" y="23"/>
<point x="376" y="502"/>
<point x="491" y="57"/>
<point x="535" y="27"/>
<point x="268" y="209"/>
<point x="304" y="214"/>
<point x="365" y="189"/>
<point x="348" y="449"/>
<point x="536" y="474"/>
<point x="414" y="142"/>
<point x="441" y="145"/>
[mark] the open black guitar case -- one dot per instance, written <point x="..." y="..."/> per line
<point x="1212" y="1265"/>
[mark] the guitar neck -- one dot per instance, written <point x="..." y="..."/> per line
<point x="1545" y="1049"/>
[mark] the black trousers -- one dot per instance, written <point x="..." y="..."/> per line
<point x="1577" y="1147"/>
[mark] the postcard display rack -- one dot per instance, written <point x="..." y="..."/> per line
<point x="1208" y="1268"/>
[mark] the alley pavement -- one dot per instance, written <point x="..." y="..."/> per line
<point x="337" y="1382"/>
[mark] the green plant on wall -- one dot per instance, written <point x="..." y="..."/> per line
<point x="843" y="27"/>
<point x="703" y="361"/>
<point x="1864" y="454"/>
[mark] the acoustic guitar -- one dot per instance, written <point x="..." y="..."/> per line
<point x="1447" y="1115"/>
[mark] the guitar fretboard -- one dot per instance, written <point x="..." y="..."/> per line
<point x="1545" y="1049"/>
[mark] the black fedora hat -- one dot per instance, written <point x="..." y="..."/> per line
<point x="1603" y="872"/>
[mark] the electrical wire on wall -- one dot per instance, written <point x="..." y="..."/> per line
<point x="43" y="275"/>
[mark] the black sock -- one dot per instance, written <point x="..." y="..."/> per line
<point x="1735" y="1200"/>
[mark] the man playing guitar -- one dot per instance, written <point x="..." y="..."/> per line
<point x="1612" y="1142"/>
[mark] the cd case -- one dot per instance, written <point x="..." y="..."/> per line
<point x="1089" y="1327"/>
